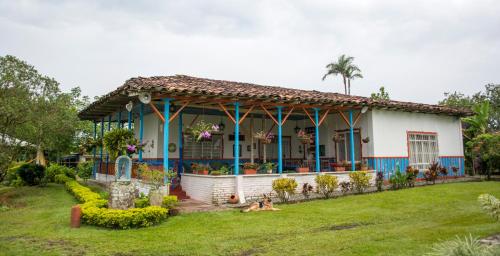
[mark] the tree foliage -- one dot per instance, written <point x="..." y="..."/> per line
<point x="344" y="67"/>
<point x="380" y="95"/>
<point x="36" y="115"/>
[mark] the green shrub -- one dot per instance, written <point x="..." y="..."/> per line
<point x="85" y="170"/>
<point x="95" y="213"/>
<point x="490" y="205"/>
<point x="326" y="184"/>
<point x="61" y="178"/>
<point x="398" y="180"/>
<point x="169" y="202"/>
<point x="56" y="169"/>
<point x="31" y="174"/>
<point x="469" y="246"/>
<point x="360" y="180"/>
<point x="379" y="181"/>
<point x="12" y="178"/>
<point x="284" y="187"/>
<point x="141" y="202"/>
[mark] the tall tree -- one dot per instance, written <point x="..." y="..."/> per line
<point x="340" y="68"/>
<point x="478" y="123"/>
<point x="352" y="73"/>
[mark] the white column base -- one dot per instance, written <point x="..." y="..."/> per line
<point x="239" y="188"/>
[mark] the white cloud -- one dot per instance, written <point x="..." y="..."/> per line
<point x="417" y="50"/>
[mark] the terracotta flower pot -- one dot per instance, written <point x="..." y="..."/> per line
<point x="302" y="169"/>
<point x="250" y="171"/>
<point x="339" y="168"/>
<point x="203" y="172"/>
<point x="233" y="199"/>
<point x="364" y="168"/>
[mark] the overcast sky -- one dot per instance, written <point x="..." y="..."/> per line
<point x="416" y="49"/>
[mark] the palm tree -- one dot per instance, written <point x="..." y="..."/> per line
<point x="478" y="123"/>
<point x="346" y="69"/>
<point x="352" y="72"/>
<point x="339" y="68"/>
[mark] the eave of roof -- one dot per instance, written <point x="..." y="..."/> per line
<point x="209" y="88"/>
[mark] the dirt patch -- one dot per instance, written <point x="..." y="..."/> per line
<point x="491" y="240"/>
<point x="48" y="244"/>
<point x="250" y="252"/>
<point x="342" y="226"/>
<point x="8" y="199"/>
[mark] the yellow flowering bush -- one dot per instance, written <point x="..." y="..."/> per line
<point x="94" y="211"/>
<point x="360" y="180"/>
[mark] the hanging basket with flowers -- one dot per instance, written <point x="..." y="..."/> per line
<point x="263" y="137"/>
<point x="305" y="138"/>
<point x="202" y="131"/>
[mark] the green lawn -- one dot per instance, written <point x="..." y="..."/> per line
<point x="405" y="222"/>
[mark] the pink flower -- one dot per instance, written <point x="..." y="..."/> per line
<point x="131" y="148"/>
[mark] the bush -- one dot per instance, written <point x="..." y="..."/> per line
<point x="398" y="180"/>
<point x="56" y="169"/>
<point x="360" y="180"/>
<point x="490" y="205"/>
<point x="411" y="176"/>
<point x="95" y="213"/>
<point x="61" y="178"/>
<point x="431" y="174"/>
<point x="485" y="147"/>
<point x="169" y="202"/>
<point x="12" y="178"/>
<point x="85" y="170"/>
<point x="379" y="181"/>
<point x="141" y="202"/>
<point x="284" y="187"/>
<point x="326" y="184"/>
<point x="458" y="247"/>
<point x="31" y="174"/>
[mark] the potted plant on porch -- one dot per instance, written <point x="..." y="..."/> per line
<point x="340" y="167"/>
<point x="302" y="168"/>
<point x="250" y="168"/>
<point x="269" y="166"/>
<point x="200" y="169"/>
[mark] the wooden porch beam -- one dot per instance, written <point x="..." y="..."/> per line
<point x="227" y="112"/>
<point x="178" y="111"/>
<point x="310" y="117"/>
<point x="356" y="119"/>
<point x="323" y="117"/>
<point x="287" y="115"/>
<point x="157" y="112"/>
<point x="269" y="114"/>
<point x="246" y="114"/>
<point x="345" y="118"/>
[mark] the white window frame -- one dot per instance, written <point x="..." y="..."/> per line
<point x="423" y="149"/>
<point x="203" y="149"/>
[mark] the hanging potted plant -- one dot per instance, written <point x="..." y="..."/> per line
<point x="250" y="168"/>
<point x="263" y="137"/>
<point x="366" y="140"/>
<point x="120" y="142"/>
<point x="202" y="131"/>
<point x="305" y="138"/>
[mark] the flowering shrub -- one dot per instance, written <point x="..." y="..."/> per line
<point x="120" y="142"/>
<point x="360" y="180"/>
<point x="431" y="174"/>
<point x="326" y="184"/>
<point x="169" y="202"/>
<point x="284" y="187"/>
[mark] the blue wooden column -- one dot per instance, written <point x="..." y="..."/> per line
<point x="107" y="153"/>
<point x="236" y="138"/>
<point x="129" y="125"/>
<point x="119" y="120"/>
<point x="101" y="151"/>
<point x="166" y="137"/>
<point x="181" y="147"/>
<point x="94" y="169"/>
<point x="351" y="135"/>
<point x="280" y="140"/>
<point x="316" y="139"/>
<point x="141" y="129"/>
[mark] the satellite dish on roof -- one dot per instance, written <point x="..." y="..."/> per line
<point x="145" y="97"/>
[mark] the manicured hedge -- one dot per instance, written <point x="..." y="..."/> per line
<point x="94" y="211"/>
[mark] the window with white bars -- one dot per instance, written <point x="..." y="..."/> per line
<point x="423" y="149"/>
<point x="208" y="149"/>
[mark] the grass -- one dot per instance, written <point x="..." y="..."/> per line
<point x="404" y="222"/>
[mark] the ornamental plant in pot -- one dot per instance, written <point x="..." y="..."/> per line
<point x="250" y="168"/>
<point x="305" y="138"/>
<point x="269" y="166"/>
<point x="201" y="169"/>
<point x="120" y="142"/>
<point x="202" y="130"/>
<point x="364" y="166"/>
<point x="302" y="168"/>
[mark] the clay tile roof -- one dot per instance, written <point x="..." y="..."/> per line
<point x="194" y="86"/>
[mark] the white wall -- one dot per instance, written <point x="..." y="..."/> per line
<point x="390" y="132"/>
